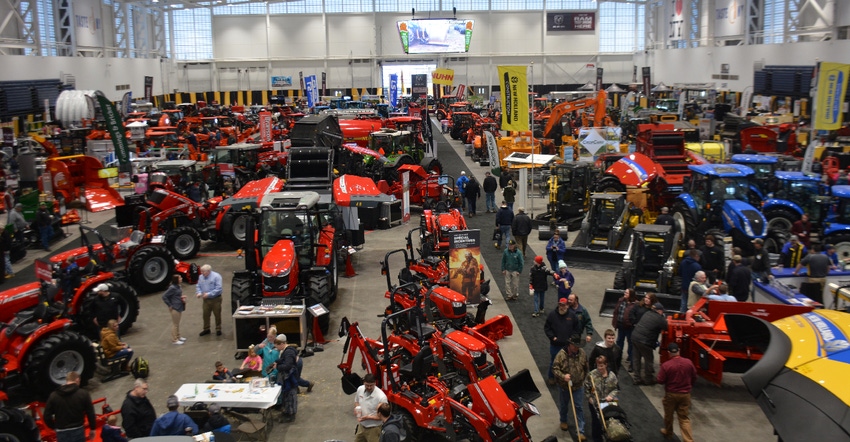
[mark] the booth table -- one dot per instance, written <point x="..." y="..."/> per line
<point x="252" y="322"/>
<point x="230" y="396"/>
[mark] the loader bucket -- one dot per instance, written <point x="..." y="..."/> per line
<point x="350" y="382"/>
<point x="609" y="301"/>
<point x="99" y="199"/>
<point x="583" y="255"/>
<point x="669" y="301"/>
<point x="521" y="386"/>
<point x="496" y="327"/>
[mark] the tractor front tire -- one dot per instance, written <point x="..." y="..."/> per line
<point x="183" y="242"/>
<point x="128" y="304"/>
<point x="235" y="227"/>
<point x="151" y="268"/>
<point x="54" y="357"/>
<point x="17" y="426"/>
<point x="320" y="292"/>
<point x="240" y="293"/>
<point x="619" y="280"/>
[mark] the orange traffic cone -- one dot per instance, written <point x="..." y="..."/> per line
<point x="349" y="268"/>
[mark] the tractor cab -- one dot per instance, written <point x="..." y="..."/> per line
<point x="651" y="260"/>
<point x="764" y="167"/>
<point x="606" y="225"/>
<point x="389" y="141"/>
<point x="569" y="192"/>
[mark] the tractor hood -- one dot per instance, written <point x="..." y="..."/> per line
<point x="249" y="196"/>
<point x="744" y="217"/>
<point x="634" y="170"/>
<point x="280" y="260"/>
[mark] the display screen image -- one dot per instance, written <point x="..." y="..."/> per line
<point x="429" y="36"/>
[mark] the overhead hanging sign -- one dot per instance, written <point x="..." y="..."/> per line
<point x="832" y="87"/>
<point x="115" y="127"/>
<point x="443" y="76"/>
<point x="729" y="17"/>
<point x="571" y="21"/>
<point x="281" y="81"/>
<point x="676" y="15"/>
<point x="513" y="85"/>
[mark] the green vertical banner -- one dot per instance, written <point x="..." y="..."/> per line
<point x="115" y="127"/>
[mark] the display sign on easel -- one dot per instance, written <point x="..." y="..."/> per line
<point x="317" y="310"/>
<point x="464" y="267"/>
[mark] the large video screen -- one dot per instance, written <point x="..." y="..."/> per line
<point x="430" y="36"/>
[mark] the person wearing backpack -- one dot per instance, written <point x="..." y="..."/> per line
<point x="286" y="377"/>
<point x="622" y="322"/>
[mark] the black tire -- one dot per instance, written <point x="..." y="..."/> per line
<point x="780" y="219"/>
<point x="414" y="432"/>
<point x="151" y="268"/>
<point x="183" y="242"/>
<point x="320" y="292"/>
<point x="17" y="426"/>
<point x="392" y="175"/>
<point x="842" y="245"/>
<point x="676" y="285"/>
<point x="240" y="293"/>
<point x="128" y="304"/>
<point x="53" y="357"/>
<point x="619" y="280"/>
<point x="610" y="184"/>
<point x="434" y="165"/>
<point x="456" y="132"/>
<point x="235" y="227"/>
<point x="685" y="222"/>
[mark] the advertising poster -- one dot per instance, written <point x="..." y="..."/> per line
<point x="570" y="21"/>
<point x="393" y="90"/>
<point x="148" y="89"/>
<point x="312" y="93"/>
<point x="405" y="197"/>
<point x="513" y="85"/>
<point x="729" y="17"/>
<point x="676" y="20"/>
<point x="443" y="76"/>
<point x="832" y="86"/>
<point x="88" y="23"/>
<point x="281" y="81"/>
<point x="464" y="264"/>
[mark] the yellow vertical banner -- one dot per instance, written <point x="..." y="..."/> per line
<point x="832" y="86"/>
<point x="514" y="93"/>
<point x="443" y="76"/>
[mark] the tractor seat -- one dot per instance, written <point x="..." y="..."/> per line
<point x="28" y="321"/>
<point x="135" y="239"/>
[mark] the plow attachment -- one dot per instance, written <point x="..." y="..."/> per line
<point x="496" y="327"/>
<point x="521" y="386"/>
<point x="584" y="255"/>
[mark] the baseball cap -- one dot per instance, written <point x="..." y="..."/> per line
<point x="281" y="337"/>
<point x="511" y="243"/>
<point x="575" y="339"/>
<point x="214" y="408"/>
<point x="658" y="306"/>
<point x="830" y="247"/>
<point x="562" y="301"/>
<point x="172" y="401"/>
<point x="463" y="172"/>
<point x="102" y="288"/>
<point x="19" y="206"/>
<point x="664" y="210"/>
<point x="757" y="241"/>
<point x="538" y="259"/>
<point x="672" y="347"/>
<point x="522" y="209"/>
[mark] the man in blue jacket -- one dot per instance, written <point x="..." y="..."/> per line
<point x="174" y="423"/>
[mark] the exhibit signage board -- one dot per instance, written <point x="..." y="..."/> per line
<point x="464" y="268"/>
<point x="571" y="21"/>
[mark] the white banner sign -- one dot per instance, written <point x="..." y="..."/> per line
<point x="677" y="13"/>
<point x="729" y="17"/>
<point x="88" y="23"/>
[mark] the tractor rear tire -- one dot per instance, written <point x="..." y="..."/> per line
<point x="54" y="356"/>
<point x="619" y="280"/>
<point x="685" y="222"/>
<point x="456" y="132"/>
<point x="235" y="227"/>
<point x="842" y="245"/>
<point x="320" y="292"/>
<point x="128" y="304"/>
<point x="433" y="165"/>
<point x="151" y="268"/>
<point x="414" y="433"/>
<point x="780" y="219"/>
<point x="240" y="293"/>
<point x="17" y="426"/>
<point x="610" y="184"/>
<point x="676" y="285"/>
<point x="183" y="242"/>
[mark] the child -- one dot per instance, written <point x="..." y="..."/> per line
<point x="111" y="432"/>
<point x="222" y="373"/>
<point x="252" y="362"/>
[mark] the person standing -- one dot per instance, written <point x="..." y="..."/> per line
<point x="678" y="376"/>
<point x="760" y="262"/>
<point x="67" y="410"/>
<point x="490" y="186"/>
<point x="560" y="325"/>
<point x="570" y="369"/>
<point x="366" y="402"/>
<point x="504" y="220"/>
<point x="608" y="347"/>
<point x="688" y="268"/>
<point x="44" y="222"/>
<point x="712" y="259"/>
<point x="565" y="280"/>
<point x="473" y="191"/>
<point x="645" y="339"/>
<point x="556" y="248"/>
<point x="520" y="228"/>
<point x="137" y="413"/>
<point x="699" y="288"/>
<point x="818" y="267"/>
<point x="738" y="279"/>
<point x="105" y="307"/>
<point x="664" y="219"/>
<point x="392" y="425"/>
<point x="504" y="179"/>
<point x="835" y="260"/>
<point x="803" y="229"/>
<point x="509" y="194"/>
<point x="16" y="218"/>
<point x="209" y="289"/>
<point x="512" y="264"/>
<point x="287" y="374"/>
<point x="461" y="187"/>
<point x="601" y="383"/>
<point x="792" y="252"/>
<point x="269" y="353"/>
<point x="173" y="423"/>
<point x="621" y="321"/>
<point x="176" y="303"/>
<point x="539" y="279"/>
<point x="582" y="316"/>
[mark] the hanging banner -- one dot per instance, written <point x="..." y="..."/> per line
<point x="301" y="78"/>
<point x="464" y="267"/>
<point x="677" y="14"/>
<point x="324" y="83"/>
<point x="312" y="92"/>
<point x="443" y="76"/>
<point x="125" y="103"/>
<point x="405" y="197"/>
<point x="148" y="89"/>
<point x="393" y="90"/>
<point x="570" y="21"/>
<point x="281" y="81"/>
<point x="514" y="94"/>
<point x="115" y="128"/>
<point x="461" y="92"/>
<point x="647" y="86"/>
<point x="265" y="126"/>
<point x="599" y="79"/>
<point x="831" y="87"/>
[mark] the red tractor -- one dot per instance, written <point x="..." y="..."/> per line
<point x="444" y="384"/>
<point x="293" y="253"/>
<point x="436" y="224"/>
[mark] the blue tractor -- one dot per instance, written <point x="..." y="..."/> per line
<point x="718" y="199"/>
<point x="765" y="168"/>
<point x="794" y="194"/>
<point x="836" y="221"/>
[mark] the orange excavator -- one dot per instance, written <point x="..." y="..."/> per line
<point x="553" y="132"/>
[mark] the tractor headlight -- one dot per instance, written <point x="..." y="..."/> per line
<point x="499" y="424"/>
<point x="457" y="304"/>
<point x="748" y="229"/>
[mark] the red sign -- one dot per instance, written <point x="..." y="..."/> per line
<point x="265" y="127"/>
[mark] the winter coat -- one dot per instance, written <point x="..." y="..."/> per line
<point x="105" y="308"/>
<point x="490" y="184"/>
<point x="607" y="386"/>
<point x="559" y="327"/>
<point x="111" y="434"/>
<point x="614" y="354"/>
<point x="137" y="416"/>
<point x="216" y="422"/>
<point x="473" y="190"/>
<point x="687" y="269"/>
<point x="509" y="193"/>
<point x="574" y="364"/>
<point x="539" y="277"/>
<point x="68" y="407"/>
<point x="173" y="297"/>
<point x="269" y="354"/>
<point x="583" y="318"/>
<point x="566" y="282"/>
<point x="110" y="342"/>
<point x="522" y="225"/>
<point x="393" y="429"/>
<point x="461" y="184"/>
<point x="512" y="261"/>
<point x="649" y="328"/>
<point x="504" y="217"/>
<point x="173" y="423"/>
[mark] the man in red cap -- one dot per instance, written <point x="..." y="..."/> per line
<point x="539" y="281"/>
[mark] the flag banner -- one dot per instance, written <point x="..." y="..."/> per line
<point x="514" y="93"/>
<point x="148" y="88"/>
<point x="115" y="127"/>
<point x="832" y="86"/>
<point x="443" y="76"/>
<point x="394" y="90"/>
<point x="312" y="92"/>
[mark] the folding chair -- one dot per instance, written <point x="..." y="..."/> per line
<point x="249" y="427"/>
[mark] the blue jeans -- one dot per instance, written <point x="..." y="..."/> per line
<point x="298" y="367"/>
<point x="46" y="234"/>
<point x="623" y="336"/>
<point x="506" y="234"/>
<point x="511" y="206"/>
<point x="490" y="200"/>
<point x="539" y="297"/>
<point x="122" y="352"/>
<point x="9" y="270"/>
<point x="565" y="406"/>
<point x="553" y="351"/>
<point x="471" y="205"/>
<point x="74" y="435"/>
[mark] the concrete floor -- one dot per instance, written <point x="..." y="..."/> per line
<point x="718" y="413"/>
